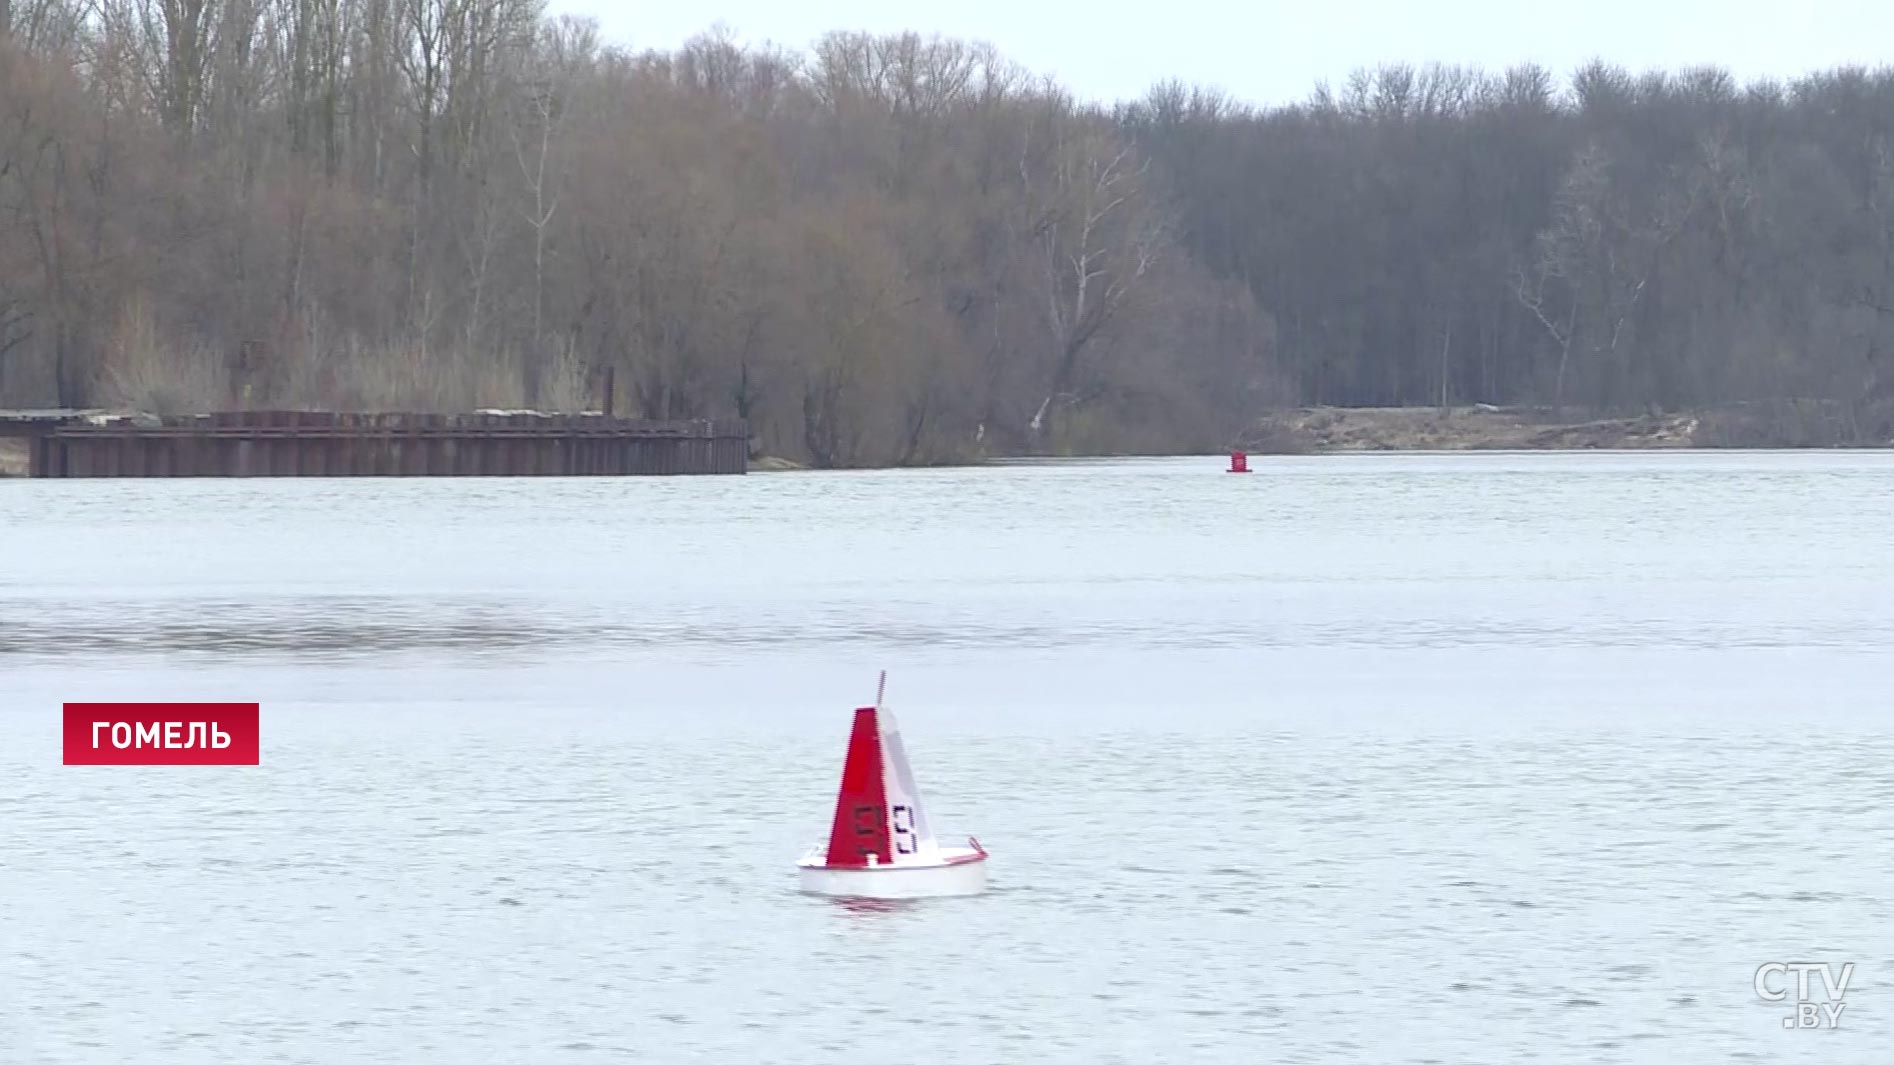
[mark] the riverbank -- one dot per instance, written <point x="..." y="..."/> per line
<point x="1318" y="430"/>
<point x="1787" y="424"/>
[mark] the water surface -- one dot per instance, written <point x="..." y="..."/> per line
<point x="1480" y="758"/>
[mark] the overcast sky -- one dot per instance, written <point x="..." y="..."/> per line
<point x="1268" y="51"/>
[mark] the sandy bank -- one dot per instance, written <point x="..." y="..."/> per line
<point x="772" y="464"/>
<point x="1323" y="429"/>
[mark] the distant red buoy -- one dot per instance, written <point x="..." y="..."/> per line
<point x="1239" y="462"/>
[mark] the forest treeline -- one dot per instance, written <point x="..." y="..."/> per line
<point x="904" y="249"/>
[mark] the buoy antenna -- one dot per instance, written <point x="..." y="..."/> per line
<point x="881" y="687"/>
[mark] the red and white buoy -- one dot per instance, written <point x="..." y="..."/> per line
<point x="880" y="845"/>
<point x="1239" y="462"/>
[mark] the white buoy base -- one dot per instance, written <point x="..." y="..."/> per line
<point x="958" y="871"/>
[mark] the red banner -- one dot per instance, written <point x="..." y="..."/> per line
<point x="163" y="734"/>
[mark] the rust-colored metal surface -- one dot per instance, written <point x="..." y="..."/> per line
<point x="337" y="444"/>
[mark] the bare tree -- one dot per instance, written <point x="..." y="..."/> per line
<point x="1094" y="236"/>
<point x="903" y="248"/>
<point x="533" y="151"/>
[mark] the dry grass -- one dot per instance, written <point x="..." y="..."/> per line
<point x="416" y="379"/>
<point x="145" y="369"/>
<point x="565" y="385"/>
<point x="142" y="371"/>
<point x="13" y="457"/>
<point x="341" y="371"/>
<point x="1322" y="429"/>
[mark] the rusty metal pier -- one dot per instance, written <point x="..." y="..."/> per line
<point x="340" y="444"/>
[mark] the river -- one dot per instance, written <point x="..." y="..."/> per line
<point x="1364" y="758"/>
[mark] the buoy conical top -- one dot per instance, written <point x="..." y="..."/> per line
<point x="878" y="815"/>
<point x="860" y="829"/>
<point x="880" y="844"/>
